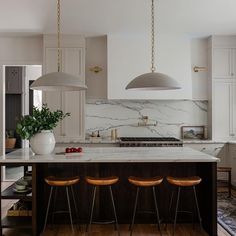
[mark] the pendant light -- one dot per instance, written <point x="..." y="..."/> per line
<point x="153" y="80"/>
<point x="58" y="81"/>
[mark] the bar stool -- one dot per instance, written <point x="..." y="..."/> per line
<point x="184" y="182"/>
<point x="143" y="183"/>
<point x="228" y="181"/>
<point x="67" y="183"/>
<point x="98" y="182"/>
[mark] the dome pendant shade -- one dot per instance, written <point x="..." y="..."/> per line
<point x="153" y="81"/>
<point x="58" y="81"/>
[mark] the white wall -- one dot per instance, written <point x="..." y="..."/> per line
<point x="96" y="55"/>
<point x="199" y="51"/>
<point x="129" y="56"/>
<point x="16" y="51"/>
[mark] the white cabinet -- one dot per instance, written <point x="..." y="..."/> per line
<point x="71" y="129"/>
<point x="224" y="109"/>
<point x="222" y="87"/>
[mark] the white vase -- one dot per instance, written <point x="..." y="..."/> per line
<point x="43" y="143"/>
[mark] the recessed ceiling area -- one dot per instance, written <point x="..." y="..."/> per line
<point x="98" y="17"/>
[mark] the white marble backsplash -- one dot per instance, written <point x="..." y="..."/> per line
<point x="123" y="115"/>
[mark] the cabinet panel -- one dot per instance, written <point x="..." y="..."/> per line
<point x="222" y="63"/>
<point x="13" y="77"/>
<point x="73" y="102"/>
<point x="52" y="99"/>
<point x="222" y="127"/>
<point x="74" y="63"/>
<point x="72" y="128"/>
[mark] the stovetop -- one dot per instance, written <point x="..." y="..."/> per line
<point x="149" y="139"/>
<point x="150" y="142"/>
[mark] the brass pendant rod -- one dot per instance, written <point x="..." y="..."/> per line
<point x="58" y="36"/>
<point x="153" y="36"/>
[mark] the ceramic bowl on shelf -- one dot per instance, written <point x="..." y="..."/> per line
<point x="20" y="184"/>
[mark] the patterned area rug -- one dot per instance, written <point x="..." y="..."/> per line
<point x="227" y="212"/>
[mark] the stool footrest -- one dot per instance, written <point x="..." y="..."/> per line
<point x="104" y="222"/>
<point x="145" y="212"/>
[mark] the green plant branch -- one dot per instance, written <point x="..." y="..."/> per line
<point x="43" y="119"/>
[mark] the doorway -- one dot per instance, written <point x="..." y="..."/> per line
<point x="19" y="101"/>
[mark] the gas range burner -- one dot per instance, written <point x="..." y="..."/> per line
<point x="150" y="142"/>
<point x="149" y="139"/>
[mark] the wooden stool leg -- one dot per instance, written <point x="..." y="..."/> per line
<point x="114" y="210"/>
<point x="176" y="210"/>
<point x="49" y="202"/>
<point x="134" y="212"/>
<point x="157" y="212"/>
<point x="229" y="184"/>
<point x="69" y="207"/>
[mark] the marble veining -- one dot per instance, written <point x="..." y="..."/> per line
<point x="104" y="115"/>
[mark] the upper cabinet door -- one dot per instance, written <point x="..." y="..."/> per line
<point x="14" y="79"/>
<point x="222" y="63"/>
<point x="74" y="62"/>
<point x="233" y="63"/>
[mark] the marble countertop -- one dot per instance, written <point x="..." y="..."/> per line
<point x="112" y="155"/>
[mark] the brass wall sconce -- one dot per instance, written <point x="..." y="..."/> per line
<point x="199" y="68"/>
<point x="96" y="69"/>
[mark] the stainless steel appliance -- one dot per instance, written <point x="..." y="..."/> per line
<point x="150" y="142"/>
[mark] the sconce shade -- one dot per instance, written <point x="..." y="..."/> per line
<point x="58" y="81"/>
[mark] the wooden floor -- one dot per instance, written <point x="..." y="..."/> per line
<point x="108" y="230"/>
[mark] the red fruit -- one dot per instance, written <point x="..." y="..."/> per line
<point x="74" y="149"/>
<point x="79" y="149"/>
<point x="68" y="150"/>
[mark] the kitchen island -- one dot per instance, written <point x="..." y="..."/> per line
<point x="123" y="162"/>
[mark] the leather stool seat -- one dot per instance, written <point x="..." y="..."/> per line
<point x="102" y="181"/>
<point x="61" y="181"/>
<point x="184" y="181"/>
<point x="145" y="182"/>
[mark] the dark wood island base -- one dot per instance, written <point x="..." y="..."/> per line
<point x="124" y="193"/>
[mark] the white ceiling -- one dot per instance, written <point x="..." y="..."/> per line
<point x="98" y="17"/>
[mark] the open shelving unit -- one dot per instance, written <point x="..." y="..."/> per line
<point x="18" y="222"/>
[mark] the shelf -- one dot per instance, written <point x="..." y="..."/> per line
<point x="9" y="193"/>
<point x="22" y="222"/>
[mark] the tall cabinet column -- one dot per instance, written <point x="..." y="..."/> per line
<point x="71" y="129"/>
